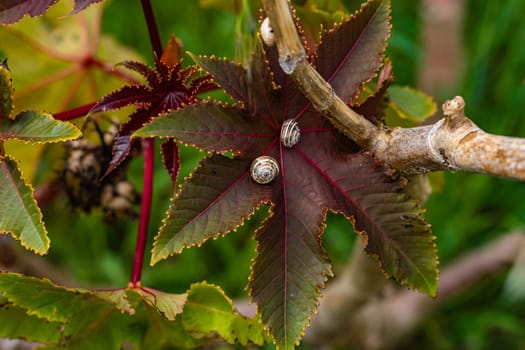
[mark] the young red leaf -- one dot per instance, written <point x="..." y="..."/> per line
<point x="318" y="170"/>
<point x="169" y="88"/>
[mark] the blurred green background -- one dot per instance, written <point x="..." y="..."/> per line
<point x="469" y="211"/>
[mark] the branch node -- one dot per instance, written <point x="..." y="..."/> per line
<point x="454" y="108"/>
<point x="288" y="62"/>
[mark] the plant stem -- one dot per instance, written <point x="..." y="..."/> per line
<point x="148" y="149"/>
<point x="74" y="113"/>
<point x="152" y="28"/>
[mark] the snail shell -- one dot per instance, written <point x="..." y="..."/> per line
<point x="290" y="133"/>
<point x="267" y="34"/>
<point x="264" y="169"/>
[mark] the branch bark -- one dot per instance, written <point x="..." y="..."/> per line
<point x="452" y="143"/>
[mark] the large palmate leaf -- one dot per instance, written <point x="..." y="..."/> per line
<point x="61" y="61"/>
<point x="323" y="171"/>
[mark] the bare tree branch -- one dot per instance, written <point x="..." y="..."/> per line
<point x="453" y="143"/>
<point x="381" y="322"/>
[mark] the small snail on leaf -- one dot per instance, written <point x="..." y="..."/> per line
<point x="264" y="169"/>
<point x="267" y="34"/>
<point x="290" y="133"/>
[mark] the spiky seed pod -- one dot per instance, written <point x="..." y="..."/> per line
<point x="290" y="133"/>
<point x="264" y="169"/>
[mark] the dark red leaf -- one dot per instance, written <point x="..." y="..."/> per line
<point x="214" y="128"/>
<point x="132" y="94"/>
<point x="374" y="106"/>
<point x="323" y="171"/>
<point x="152" y="77"/>
<point x="350" y="53"/>
<point x="123" y="140"/>
<point x="170" y="158"/>
<point x="217" y="198"/>
<point x="12" y="11"/>
<point x="82" y="4"/>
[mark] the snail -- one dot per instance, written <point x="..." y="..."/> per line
<point x="267" y="34"/>
<point x="290" y="133"/>
<point x="264" y="169"/>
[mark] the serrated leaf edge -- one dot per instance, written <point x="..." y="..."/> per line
<point x="214" y="236"/>
<point x="46" y="243"/>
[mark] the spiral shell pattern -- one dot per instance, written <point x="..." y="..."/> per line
<point x="290" y="133"/>
<point x="264" y="169"/>
<point x="267" y="33"/>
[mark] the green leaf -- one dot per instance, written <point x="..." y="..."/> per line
<point x="214" y="201"/>
<point x="19" y="212"/>
<point x="411" y="104"/>
<point x="46" y="54"/>
<point x="16" y="323"/>
<point x="41" y="298"/>
<point x="208" y="310"/>
<point x="74" y="318"/>
<point x="37" y="127"/>
<point x="169" y="305"/>
<point x="6" y="92"/>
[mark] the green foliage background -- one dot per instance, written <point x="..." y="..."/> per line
<point x="471" y="209"/>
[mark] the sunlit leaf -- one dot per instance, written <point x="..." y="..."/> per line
<point x="411" y="104"/>
<point x="41" y="298"/>
<point x="6" y="92"/>
<point x="19" y="212"/>
<point x="37" y="127"/>
<point x="59" y="61"/>
<point x="208" y="310"/>
<point x="169" y="305"/>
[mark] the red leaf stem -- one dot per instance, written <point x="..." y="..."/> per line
<point x="148" y="148"/>
<point x="74" y="113"/>
<point x="152" y="27"/>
